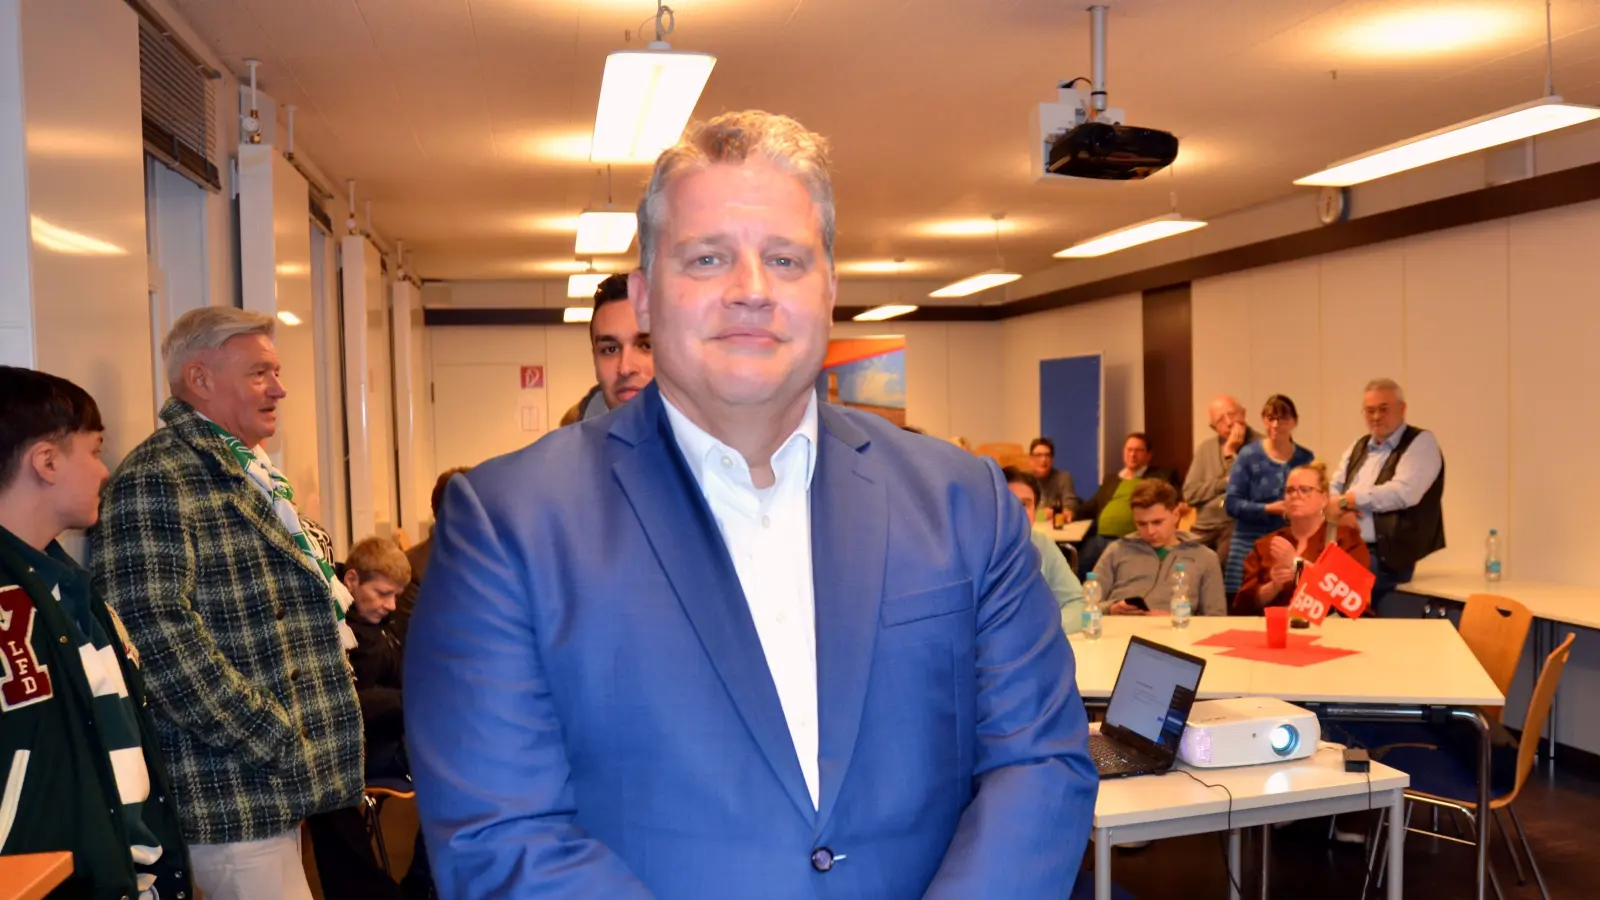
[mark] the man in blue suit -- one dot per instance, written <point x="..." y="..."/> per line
<point x="726" y="641"/>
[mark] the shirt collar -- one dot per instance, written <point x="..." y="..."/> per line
<point x="1388" y="443"/>
<point x="701" y="450"/>
<point x="52" y="565"/>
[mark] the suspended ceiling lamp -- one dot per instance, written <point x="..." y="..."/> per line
<point x="647" y="96"/>
<point x="982" y="281"/>
<point x="1516" y="123"/>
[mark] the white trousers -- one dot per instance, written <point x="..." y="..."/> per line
<point x="268" y="869"/>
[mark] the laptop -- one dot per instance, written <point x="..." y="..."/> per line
<point x="1149" y="708"/>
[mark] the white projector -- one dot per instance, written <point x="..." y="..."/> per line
<point x="1247" y="731"/>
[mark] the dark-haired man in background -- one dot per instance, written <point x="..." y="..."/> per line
<point x="622" y="361"/>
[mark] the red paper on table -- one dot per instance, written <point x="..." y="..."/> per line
<point x="1244" y="637"/>
<point x="1336" y="581"/>
<point x="1298" y="656"/>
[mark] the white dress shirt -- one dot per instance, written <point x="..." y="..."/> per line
<point x="768" y="533"/>
<point x="1417" y="472"/>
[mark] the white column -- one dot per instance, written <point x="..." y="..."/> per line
<point x="358" y="266"/>
<point x="404" y="300"/>
<point x="16" y="289"/>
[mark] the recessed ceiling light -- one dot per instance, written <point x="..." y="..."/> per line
<point x="1411" y="33"/>
<point x="975" y="227"/>
<point x="887" y="311"/>
<point x="878" y="267"/>
<point x="555" y="266"/>
<point x="973" y="284"/>
<point x="1513" y="124"/>
<point x="577" y="314"/>
<point x="1131" y="236"/>
<point x="605" y="232"/>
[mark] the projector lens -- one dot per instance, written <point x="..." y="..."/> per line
<point x="1284" y="739"/>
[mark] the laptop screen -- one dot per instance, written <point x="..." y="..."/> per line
<point x="1154" y="693"/>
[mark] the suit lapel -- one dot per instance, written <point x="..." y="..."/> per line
<point x="688" y="545"/>
<point x="242" y="493"/>
<point x="849" y="548"/>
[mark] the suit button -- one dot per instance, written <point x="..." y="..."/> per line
<point x="822" y="859"/>
<point x="280" y="613"/>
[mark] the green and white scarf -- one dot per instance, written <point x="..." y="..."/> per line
<point x="265" y="476"/>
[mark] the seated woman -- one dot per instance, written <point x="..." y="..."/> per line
<point x="1270" y="573"/>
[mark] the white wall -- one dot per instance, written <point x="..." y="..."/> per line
<point x="85" y="174"/>
<point x="1489" y="327"/>
<point x="1113" y="327"/>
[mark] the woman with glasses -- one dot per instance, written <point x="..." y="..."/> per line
<point x="1255" y="485"/>
<point x="1273" y="567"/>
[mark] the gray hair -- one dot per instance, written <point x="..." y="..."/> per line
<point x="1386" y="384"/>
<point x="208" y="328"/>
<point x="732" y="138"/>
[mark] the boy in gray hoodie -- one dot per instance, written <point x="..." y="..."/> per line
<point x="1141" y="564"/>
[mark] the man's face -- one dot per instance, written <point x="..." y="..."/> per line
<point x="76" y="474"/>
<point x="622" y="362"/>
<point x="374" y="597"/>
<point x="1224" y="415"/>
<point x="1383" y="411"/>
<point x="1044" y="459"/>
<point x="241" y="389"/>
<point x="739" y="299"/>
<point x="1157" y="525"/>
<point x="1025" y="495"/>
<point x="1135" y="454"/>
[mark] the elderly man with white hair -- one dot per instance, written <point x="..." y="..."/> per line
<point x="1206" y="487"/>
<point x="237" y="615"/>
<point x="1390" y="484"/>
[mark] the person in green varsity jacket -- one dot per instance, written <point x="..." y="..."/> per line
<point x="80" y="766"/>
<point x="238" y="616"/>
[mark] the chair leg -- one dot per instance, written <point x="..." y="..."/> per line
<point x="1511" y="848"/>
<point x="1527" y="848"/>
<point x="377" y="836"/>
<point x="1472" y="832"/>
<point x="1372" y="853"/>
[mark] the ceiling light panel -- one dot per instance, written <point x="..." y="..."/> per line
<point x="1132" y="236"/>
<point x="982" y="281"/>
<point x="585" y="284"/>
<point x="646" y="98"/>
<point x="605" y="232"/>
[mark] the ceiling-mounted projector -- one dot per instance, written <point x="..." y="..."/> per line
<point x="1079" y="137"/>
<point x="1248" y="731"/>
<point x="1116" y="152"/>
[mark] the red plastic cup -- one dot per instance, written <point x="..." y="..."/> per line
<point x="1277" y="627"/>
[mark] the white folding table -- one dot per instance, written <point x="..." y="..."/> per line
<point x="1151" y="807"/>
<point x="1404" y="669"/>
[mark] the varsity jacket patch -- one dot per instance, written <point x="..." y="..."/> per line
<point x="24" y="681"/>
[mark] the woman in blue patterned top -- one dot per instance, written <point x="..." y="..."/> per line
<point x="1255" y="485"/>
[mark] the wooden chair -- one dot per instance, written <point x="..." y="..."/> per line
<point x="998" y="450"/>
<point x="1495" y="628"/>
<point x="377" y="791"/>
<point x="1440" y="780"/>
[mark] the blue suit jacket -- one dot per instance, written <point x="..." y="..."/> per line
<point x="590" y="714"/>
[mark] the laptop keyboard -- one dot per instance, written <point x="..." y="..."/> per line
<point x="1107" y="755"/>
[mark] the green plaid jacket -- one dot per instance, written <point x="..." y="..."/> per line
<point x="256" y="706"/>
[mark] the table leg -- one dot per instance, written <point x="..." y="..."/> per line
<point x="1485" y="748"/>
<point x="1266" y="859"/>
<point x="1397" y="844"/>
<point x="1102" y="864"/>
<point x="1234" y="871"/>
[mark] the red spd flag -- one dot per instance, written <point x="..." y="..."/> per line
<point x="1335" y="581"/>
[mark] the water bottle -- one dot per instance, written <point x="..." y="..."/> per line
<point x="1491" y="556"/>
<point x="1180" y="597"/>
<point x="1091" y="608"/>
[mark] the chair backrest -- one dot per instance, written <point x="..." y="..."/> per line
<point x="1495" y="628"/>
<point x="999" y="450"/>
<point x="1544" y="693"/>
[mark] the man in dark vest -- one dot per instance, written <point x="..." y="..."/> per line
<point x="1391" y="486"/>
